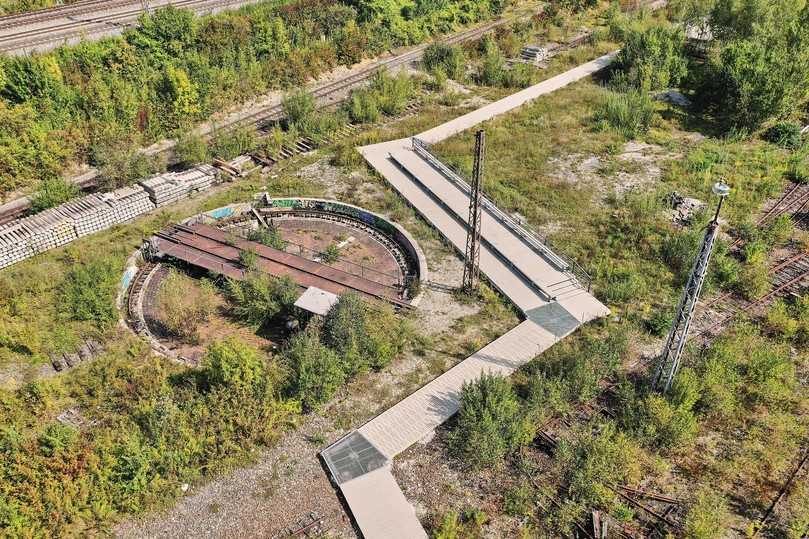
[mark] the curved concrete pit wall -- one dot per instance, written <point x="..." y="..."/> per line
<point x="393" y="231"/>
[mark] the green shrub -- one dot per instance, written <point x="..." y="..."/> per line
<point x="492" y="70"/>
<point x="660" y="322"/>
<point x="185" y="304"/>
<point x="707" y="515"/>
<point x="268" y="236"/>
<point x="88" y="292"/>
<point x="653" y="58"/>
<point x="120" y="162"/>
<point x="629" y="113"/>
<point x="259" y="298"/>
<point x="393" y="92"/>
<point x="234" y="364"/>
<point x="784" y="134"/>
<point x="590" y="461"/>
<point x="53" y="192"/>
<point x="331" y="254"/>
<point x="191" y="149"/>
<point x="248" y="258"/>
<point x="449" y="59"/>
<point x="490" y="422"/>
<point x="363" y="106"/>
<point x="798" y="166"/>
<point x="299" y="107"/>
<point x="233" y="143"/>
<point x="362" y="337"/>
<point x="317" y="370"/>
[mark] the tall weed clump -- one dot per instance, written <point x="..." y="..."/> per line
<point x="629" y="112"/>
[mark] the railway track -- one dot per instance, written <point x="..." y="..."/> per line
<point x="24" y="34"/>
<point x="789" y="277"/>
<point x="265" y="117"/>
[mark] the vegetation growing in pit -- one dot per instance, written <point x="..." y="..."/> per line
<point x="184" y="305"/>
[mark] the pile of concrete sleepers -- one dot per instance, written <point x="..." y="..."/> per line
<point x="170" y="187"/>
<point x="26" y="237"/>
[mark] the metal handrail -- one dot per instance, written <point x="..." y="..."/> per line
<point x="532" y="238"/>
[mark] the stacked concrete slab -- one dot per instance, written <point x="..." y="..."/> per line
<point x="129" y="202"/>
<point x="170" y="187"/>
<point x="55" y="227"/>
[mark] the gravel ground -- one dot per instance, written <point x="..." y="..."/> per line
<point x="262" y="500"/>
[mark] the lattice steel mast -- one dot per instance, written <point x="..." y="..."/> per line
<point x="471" y="269"/>
<point x="669" y="361"/>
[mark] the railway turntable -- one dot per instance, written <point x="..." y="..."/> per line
<point x="325" y="247"/>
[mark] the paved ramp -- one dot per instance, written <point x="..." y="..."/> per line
<point x="536" y="279"/>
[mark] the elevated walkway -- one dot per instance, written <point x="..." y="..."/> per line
<point x="537" y="280"/>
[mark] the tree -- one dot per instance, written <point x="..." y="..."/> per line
<point x="654" y="58"/>
<point x="762" y="71"/>
<point x="181" y="94"/>
<point x="490" y="422"/>
<point x="29" y="77"/>
<point x="232" y="363"/>
<point x="317" y="370"/>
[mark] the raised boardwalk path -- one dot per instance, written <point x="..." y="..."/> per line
<point x="537" y="280"/>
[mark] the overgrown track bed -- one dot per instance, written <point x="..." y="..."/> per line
<point x="789" y="277"/>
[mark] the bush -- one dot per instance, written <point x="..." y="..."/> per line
<point x="784" y="134"/>
<point x="653" y="58"/>
<point x="88" y="292"/>
<point x="234" y="364"/>
<point x="260" y="298"/>
<point x="299" y="107"/>
<point x="331" y="254"/>
<point x="185" y="304"/>
<point x="121" y="162"/>
<point x="798" y="166"/>
<point x="449" y="59"/>
<point x="363" y="106"/>
<point x="589" y="462"/>
<point x="248" y="258"/>
<point x="191" y="150"/>
<point x="268" y="236"/>
<point x="754" y="280"/>
<point x="630" y="113"/>
<point x="492" y="71"/>
<point x="362" y="337"/>
<point x="317" y="370"/>
<point x="490" y="423"/>
<point x="707" y="515"/>
<point x="393" y="92"/>
<point x="53" y="192"/>
<point x="233" y="143"/>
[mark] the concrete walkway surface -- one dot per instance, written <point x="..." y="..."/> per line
<point x="535" y="279"/>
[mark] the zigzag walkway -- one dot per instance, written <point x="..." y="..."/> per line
<point x="535" y="279"/>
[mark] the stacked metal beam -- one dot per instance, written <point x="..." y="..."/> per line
<point x="170" y="187"/>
